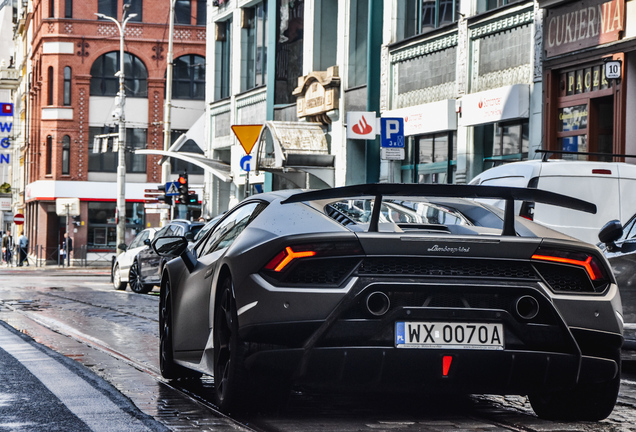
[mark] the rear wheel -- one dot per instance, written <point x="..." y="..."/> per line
<point x="169" y="369"/>
<point x="135" y="281"/>
<point x="118" y="284"/>
<point x="584" y="402"/>
<point x="231" y="383"/>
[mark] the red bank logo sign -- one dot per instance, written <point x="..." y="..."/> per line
<point x="361" y="125"/>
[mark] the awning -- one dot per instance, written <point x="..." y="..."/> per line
<point x="215" y="167"/>
<point x="299" y="147"/>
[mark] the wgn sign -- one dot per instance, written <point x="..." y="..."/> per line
<point x="6" y="124"/>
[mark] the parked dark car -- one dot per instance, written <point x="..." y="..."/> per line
<point x="385" y="287"/>
<point x="145" y="271"/>
<point x="619" y="246"/>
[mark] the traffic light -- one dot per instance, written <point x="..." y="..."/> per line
<point x="77" y="220"/>
<point x="184" y="192"/>
<point x="192" y="199"/>
<point x="163" y="197"/>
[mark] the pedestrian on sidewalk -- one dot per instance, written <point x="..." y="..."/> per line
<point x="67" y="248"/>
<point x="23" y="245"/>
<point x="7" y="248"/>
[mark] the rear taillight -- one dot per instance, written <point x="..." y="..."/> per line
<point x="589" y="263"/>
<point x="291" y="253"/>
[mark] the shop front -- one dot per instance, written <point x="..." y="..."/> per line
<point x="499" y="120"/>
<point x="431" y="142"/>
<point x="584" y="111"/>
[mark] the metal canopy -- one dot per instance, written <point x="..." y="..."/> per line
<point x="299" y="148"/>
<point x="215" y="167"/>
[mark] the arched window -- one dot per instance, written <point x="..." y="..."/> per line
<point x="105" y="83"/>
<point x="66" y="155"/>
<point x="49" y="155"/>
<point x="49" y="95"/>
<point x="188" y="79"/>
<point x="67" y="86"/>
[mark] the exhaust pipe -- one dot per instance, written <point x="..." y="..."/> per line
<point x="378" y="303"/>
<point x="527" y="307"/>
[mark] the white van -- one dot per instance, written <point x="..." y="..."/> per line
<point x="609" y="185"/>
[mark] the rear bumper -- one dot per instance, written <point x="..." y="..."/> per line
<point x="470" y="371"/>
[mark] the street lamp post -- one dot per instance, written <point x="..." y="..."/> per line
<point x="121" y="115"/>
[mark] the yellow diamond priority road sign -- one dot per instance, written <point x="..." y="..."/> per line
<point x="247" y="135"/>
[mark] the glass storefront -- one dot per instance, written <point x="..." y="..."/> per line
<point x="102" y="228"/>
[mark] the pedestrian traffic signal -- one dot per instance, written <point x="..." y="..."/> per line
<point x="77" y="220"/>
<point x="183" y="189"/>
<point x="163" y="197"/>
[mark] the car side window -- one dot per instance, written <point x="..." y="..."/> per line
<point x="162" y="231"/>
<point x="229" y="228"/>
<point x="136" y="241"/>
<point x="629" y="230"/>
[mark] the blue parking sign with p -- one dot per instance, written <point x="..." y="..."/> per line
<point x="392" y="132"/>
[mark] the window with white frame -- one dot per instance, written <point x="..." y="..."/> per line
<point x="254" y="46"/>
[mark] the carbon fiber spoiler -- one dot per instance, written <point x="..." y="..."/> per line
<point x="509" y="194"/>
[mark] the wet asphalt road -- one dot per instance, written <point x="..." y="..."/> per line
<point x="115" y="335"/>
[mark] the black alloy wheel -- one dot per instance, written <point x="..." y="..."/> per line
<point x="135" y="281"/>
<point x="583" y="402"/>
<point x="169" y="369"/>
<point x="232" y="389"/>
<point x="118" y="284"/>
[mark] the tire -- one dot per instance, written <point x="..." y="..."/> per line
<point x="169" y="369"/>
<point x="135" y="281"/>
<point x="231" y="383"/>
<point x="118" y="284"/>
<point x="584" y="402"/>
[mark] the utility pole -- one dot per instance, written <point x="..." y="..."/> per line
<point x="121" y="114"/>
<point x="167" y="111"/>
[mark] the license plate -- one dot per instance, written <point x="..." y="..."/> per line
<point x="455" y="335"/>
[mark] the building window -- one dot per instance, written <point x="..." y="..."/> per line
<point x="50" y="79"/>
<point x="188" y="80"/>
<point x="183" y="12"/>
<point x="503" y="142"/>
<point x="107" y="7"/>
<point x="255" y="46"/>
<point x="358" y="25"/>
<point x="223" y="59"/>
<point x="51" y="8"/>
<point x="421" y="16"/>
<point x="136" y="7"/>
<point x="49" y="155"/>
<point x="106" y="160"/>
<point x="179" y="166"/>
<point x="431" y="158"/>
<point x="486" y="5"/>
<point x="202" y="12"/>
<point x="66" y="155"/>
<point x="105" y="83"/>
<point x="68" y="8"/>
<point x="67" y="86"/>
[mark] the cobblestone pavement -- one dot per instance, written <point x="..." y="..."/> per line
<point x="115" y="334"/>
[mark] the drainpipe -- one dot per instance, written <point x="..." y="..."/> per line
<point x="374" y="49"/>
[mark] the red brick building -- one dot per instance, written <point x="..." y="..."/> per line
<point x="74" y="57"/>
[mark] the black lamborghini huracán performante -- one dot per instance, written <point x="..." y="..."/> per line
<point x="393" y="287"/>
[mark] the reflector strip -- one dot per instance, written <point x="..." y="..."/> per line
<point x="602" y="171"/>
<point x="446" y="363"/>
<point x="585" y="264"/>
<point x="291" y="255"/>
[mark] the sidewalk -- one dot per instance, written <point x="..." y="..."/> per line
<point x="46" y="391"/>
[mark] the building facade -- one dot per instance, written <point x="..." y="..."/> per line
<point x="70" y="76"/>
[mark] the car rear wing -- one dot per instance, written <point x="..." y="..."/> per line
<point x="508" y="194"/>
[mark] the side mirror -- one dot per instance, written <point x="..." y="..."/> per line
<point x="189" y="236"/>
<point x="611" y="231"/>
<point x="147" y="242"/>
<point x="170" y="246"/>
<point x="122" y="247"/>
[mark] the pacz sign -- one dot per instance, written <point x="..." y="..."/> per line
<point x="6" y="124"/>
<point x="583" y="24"/>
